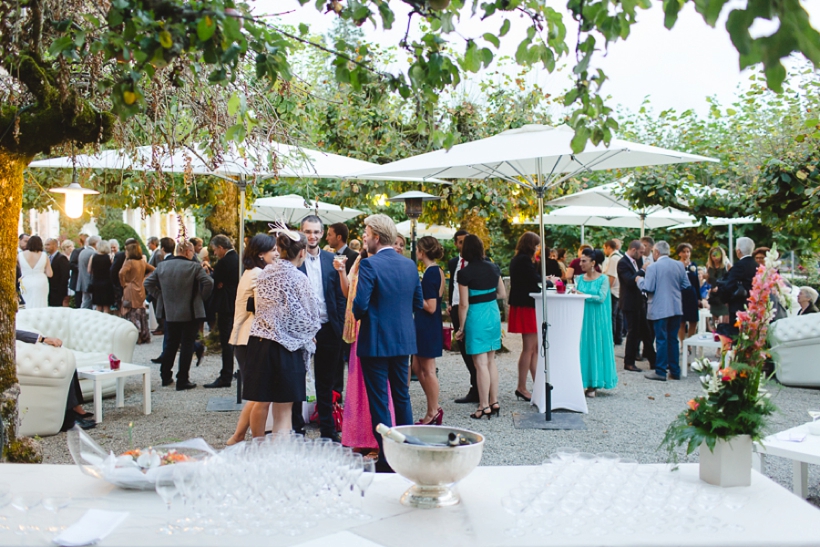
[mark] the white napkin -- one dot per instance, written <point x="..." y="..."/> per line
<point x="91" y="528"/>
<point x="793" y="436"/>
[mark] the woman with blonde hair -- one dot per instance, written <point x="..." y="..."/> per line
<point x="717" y="267"/>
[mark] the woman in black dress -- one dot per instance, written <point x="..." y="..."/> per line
<point x="102" y="290"/>
<point x="690" y="298"/>
<point x="282" y="336"/>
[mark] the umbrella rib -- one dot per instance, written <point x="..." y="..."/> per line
<point x="493" y="172"/>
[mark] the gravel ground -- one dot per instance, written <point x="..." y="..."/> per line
<point x="629" y="419"/>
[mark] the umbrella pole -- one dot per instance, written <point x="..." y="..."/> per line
<point x="242" y="184"/>
<point x="731" y="240"/>
<point x="544" y="324"/>
<point x="413" y="239"/>
<point x="643" y="224"/>
<point x="582" y="234"/>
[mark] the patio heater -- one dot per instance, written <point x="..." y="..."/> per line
<point x="413" y="204"/>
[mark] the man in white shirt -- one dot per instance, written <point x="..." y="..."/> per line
<point x="326" y="286"/>
<point x="454" y="266"/>
<point x="648" y="256"/>
<point x="613" y="256"/>
<point x="22" y="243"/>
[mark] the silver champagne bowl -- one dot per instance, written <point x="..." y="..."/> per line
<point x="433" y="469"/>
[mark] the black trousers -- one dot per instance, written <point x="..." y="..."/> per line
<point x="325" y="364"/>
<point x="339" y="380"/>
<point x="74" y="398"/>
<point x="617" y="321"/>
<point x="78" y="299"/>
<point x="468" y="359"/>
<point x="181" y="336"/>
<point x="639" y="331"/>
<point x="224" y="322"/>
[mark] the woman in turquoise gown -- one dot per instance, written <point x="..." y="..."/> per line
<point x="597" y="347"/>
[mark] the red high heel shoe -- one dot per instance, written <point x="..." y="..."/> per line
<point x="435" y="420"/>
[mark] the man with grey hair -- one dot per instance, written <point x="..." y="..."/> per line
<point x="61" y="271"/>
<point x="226" y="281"/>
<point x="735" y="287"/>
<point x="388" y="294"/>
<point x="74" y="260"/>
<point x="83" y="277"/>
<point x="663" y="282"/>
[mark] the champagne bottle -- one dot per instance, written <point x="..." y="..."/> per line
<point x="385" y="431"/>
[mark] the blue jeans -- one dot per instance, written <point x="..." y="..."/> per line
<point x="666" y="341"/>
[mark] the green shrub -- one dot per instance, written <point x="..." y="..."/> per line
<point x="121" y="231"/>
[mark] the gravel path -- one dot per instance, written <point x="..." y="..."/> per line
<point x="629" y="419"/>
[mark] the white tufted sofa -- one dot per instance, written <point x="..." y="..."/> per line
<point x="44" y="374"/>
<point x="89" y="334"/>
<point x="795" y="348"/>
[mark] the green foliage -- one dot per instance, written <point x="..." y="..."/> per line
<point x="120" y="231"/>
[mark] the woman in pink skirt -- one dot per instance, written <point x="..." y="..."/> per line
<point x="357" y="430"/>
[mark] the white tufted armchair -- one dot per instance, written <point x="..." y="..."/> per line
<point x="795" y="347"/>
<point x="89" y="334"/>
<point x="45" y="374"/>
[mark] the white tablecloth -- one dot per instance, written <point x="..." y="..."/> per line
<point x="772" y="516"/>
<point x="565" y="316"/>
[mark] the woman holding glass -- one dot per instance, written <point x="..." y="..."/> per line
<point x="429" y="341"/>
<point x="690" y="297"/>
<point x="282" y="334"/>
<point x="480" y="286"/>
<point x="597" y="346"/>
<point x="717" y="267"/>
<point x="260" y="252"/>
<point x="132" y="276"/>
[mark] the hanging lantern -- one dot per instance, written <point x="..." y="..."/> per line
<point x="74" y="196"/>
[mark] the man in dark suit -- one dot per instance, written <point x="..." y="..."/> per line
<point x="633" y="305"/>
<point x="74" y="260"/>
<point x="226" y="281"/>
<point x="740" y="276"/>
<point x="326" y="286"/>
<point x="179" y="285"/>
<point x="337" y="235"/>
<point x="457" y="263"/>
<point x="388" y="294"/>
<point x="61" y="268"/>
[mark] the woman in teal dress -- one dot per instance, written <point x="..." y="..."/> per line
<point x="597" y="347"/>
<point x="480" y="286"/>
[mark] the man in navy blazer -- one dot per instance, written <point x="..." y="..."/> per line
<point x="388" y="294"/>
<point x="324" y="280"/>
<point x="664" y="280"/>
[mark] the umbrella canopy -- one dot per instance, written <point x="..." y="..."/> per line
<point x="713" y="221"/>
<point x="612" y="216"/>
<point x="435" y="230"/>
<point x="293" y="208"/>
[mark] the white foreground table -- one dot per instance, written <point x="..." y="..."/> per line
<point x="772" y="516"/>
<point x="802" y="454"/>
<point x="565" y="315"/>
<point x="126" y="369"/>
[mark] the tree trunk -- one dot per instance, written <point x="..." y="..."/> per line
<point x="11" y="198"/>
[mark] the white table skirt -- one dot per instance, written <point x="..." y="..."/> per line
<point x="772" y="516"/>
<point x="565" y="315"/>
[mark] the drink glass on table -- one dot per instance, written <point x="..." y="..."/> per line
<point x="54" y="503"/>
<point x="24" y="502"/>
<point x="363" y="482"/>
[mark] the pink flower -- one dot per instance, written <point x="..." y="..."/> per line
<point x="727" y="374"/>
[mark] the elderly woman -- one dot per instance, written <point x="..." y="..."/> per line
<point x="102" y="290"/>
<point x="132" y="276"/>
<point x="807" y="300"/>
<point x="282" y="335"/>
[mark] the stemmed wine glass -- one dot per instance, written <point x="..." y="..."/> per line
<point x="54" y="503"/>
<point x="5" y="499"/>
<point x="515" y="506"/>
<point x="184" y="477"/>
<point x="24" y="502"/>
<point x="363" y="482"/>
<point x="167" y="490"/>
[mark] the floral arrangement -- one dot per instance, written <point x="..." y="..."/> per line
<point x="150" y="458"/>
<point x="734" y="400"/>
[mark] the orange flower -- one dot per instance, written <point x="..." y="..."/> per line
<point x="693" y="404"/>
<point x="728" y="374"/>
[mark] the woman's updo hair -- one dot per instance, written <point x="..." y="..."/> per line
<point x="431" y="248"/>
<point x="258" y="245"/>
<point x="596" y="255"/>
<point x="288" y="248"/>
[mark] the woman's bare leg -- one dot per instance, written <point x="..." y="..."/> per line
<point x="425" y="369"/>
<point x="527" y="361"/>
<point x="258" y="418"/>
<point x="242" y="424"/>
<point x="282" y="421"/>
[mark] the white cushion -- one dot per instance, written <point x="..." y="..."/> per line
<point x="795" y="345"/>
<point x="44" y="374"/>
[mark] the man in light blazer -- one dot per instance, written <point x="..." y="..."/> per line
<point x="180" y="286"/>
<point x="326" y="285"/>
<point x="388" y="294"/>
<point x="663" y="281"/>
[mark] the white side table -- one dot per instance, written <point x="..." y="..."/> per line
<point x="126" y="369"/>
<point x="802" y="454"/>
<point x="699" y="341"/>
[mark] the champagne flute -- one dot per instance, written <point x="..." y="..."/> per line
<point x="5" y="499"/>
<point x="54" y="503"/>
<point x="24" y="502"/>
<point x="167" y="490"/>
<point x="363" y="483"/>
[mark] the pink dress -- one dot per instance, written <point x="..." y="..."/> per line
<point x="357" y="429"/>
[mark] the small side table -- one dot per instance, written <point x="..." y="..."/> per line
<point x="802" y="454"/>
<point x="698" y="341"/>
<point x="126" y="369"/>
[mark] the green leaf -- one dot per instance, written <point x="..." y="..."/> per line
<point x="205" y="28"/>
<point x="60" y="44"/>
<point x="505" y="28"/>
<point x="233" y="104"/>
<point x="493" y="39"/>
<point x="303" y="29"/>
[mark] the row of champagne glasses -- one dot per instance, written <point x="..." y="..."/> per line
<point x="282" y="484"/>
<point x="23" y="502"/>
<point x="575" y="492"/>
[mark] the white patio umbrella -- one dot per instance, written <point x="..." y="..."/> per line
<point x="612" y="216"/>
<point x="714" y="221"/>
<point x="537" y="157"/>
<point x="422" y="229"/>
<point x="292" y="208"/>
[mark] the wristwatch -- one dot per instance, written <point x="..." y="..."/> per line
<point x="40" y="338"/>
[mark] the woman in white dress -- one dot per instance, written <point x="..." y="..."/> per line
<point x="35" y="269"/>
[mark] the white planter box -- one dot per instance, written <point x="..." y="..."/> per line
<point x="730" y="464"/>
